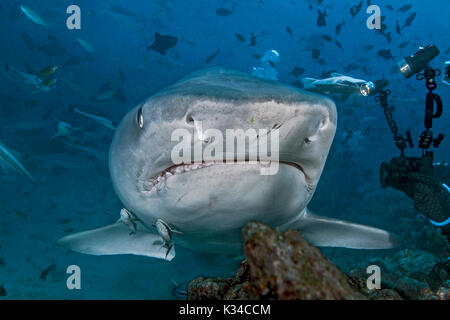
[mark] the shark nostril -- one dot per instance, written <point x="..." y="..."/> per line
<point x="189" y="119"/>
<point x="307" y="141"/>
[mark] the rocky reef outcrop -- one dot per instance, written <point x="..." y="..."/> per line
<point x="284" y="266"/>
<point x="277" y="266"/>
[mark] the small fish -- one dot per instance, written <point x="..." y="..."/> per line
<point x="327" y="38"/>
<point x="289" y="31"/>
<point x="339" y="27"/>
<point x="45" y="86"/>
<point x="339" y="45"/>
<point x="385" y="54"/>
<point x="239" y="37"/>
<point x="315" y="53"/>
<point x="45" y="273"/>
<point x="252" y="39"/>
<point x="165" y="233"/>
<point x="212" y="56"/>
<point x="410" y="19"/>
<point x="8" y="160"/>
<point x="356" y="9"/>
<point x="297" y="72"/>
<point x="405" y="8"/>
<point x="390" y="7"/>
<point x="65" y="130"/>
<point x="403" y="45"/>
<point x="127" y="219"/>
<point x="32" y="15"/>
<point x="397" y="28"/>
<point x="256" y="56"/>
<point x="103" y="121"/>
<point x="223" y="12"/>
<point x="321" y="18"/>
<point x="164" y="230"/>
<point x="389" y="37"/>
<point x="47" y="71"/>
<point x="86" y="45"/>
<point x="3" y="292"/>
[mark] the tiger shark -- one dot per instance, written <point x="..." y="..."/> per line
<point x="208" y="202"/>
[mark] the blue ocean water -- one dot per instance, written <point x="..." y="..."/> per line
<point x="108" y="67"/>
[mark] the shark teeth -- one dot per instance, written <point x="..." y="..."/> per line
<point x="174" y="170"/>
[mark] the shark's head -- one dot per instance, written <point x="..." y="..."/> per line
<point x="220" y="196"/>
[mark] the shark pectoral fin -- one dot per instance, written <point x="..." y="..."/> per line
<point x="116" y="239"/>
<point x="328" y="232"/>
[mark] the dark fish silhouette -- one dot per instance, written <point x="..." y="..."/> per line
<point x="252" y="39"/>
<point x="321" y="21"/>
<point x="162" y="43"/>
<point x="28" y="41"/>
<point x="403" y="44"/>
<point x="212" y="56"/>
<point x="297" y="72"/>
<point x="385" y="54"/>
<point x="410" y="19"/>
<point x="390" y="7"/>
<point x="256" y="56"/>
<point x="339" y="27"/>
<point x="388" y="37"/>
<point x="239" y="37"/>
<point x="327" y="38"/>
<point x="223" y="12"/>
<point x="356" y="9"/>
<point x="397" y="28"/>
<point x="339" y="45"/>
<point x="289" y="31"/>
<point x="321" y="61"/>
<point x="315" y="53"/>
<point x="405" y="8"/>
<point x="45" y="273"/>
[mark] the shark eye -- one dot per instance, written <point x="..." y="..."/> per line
<point x="140" y="118"/>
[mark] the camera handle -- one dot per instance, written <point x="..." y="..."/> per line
<point x="426" y="138"/>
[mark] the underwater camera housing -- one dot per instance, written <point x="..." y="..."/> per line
<point x="395" y="173"/>
<point x="417" y="62"/>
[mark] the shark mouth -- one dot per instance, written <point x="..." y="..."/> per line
<point x="158" y="180"/>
